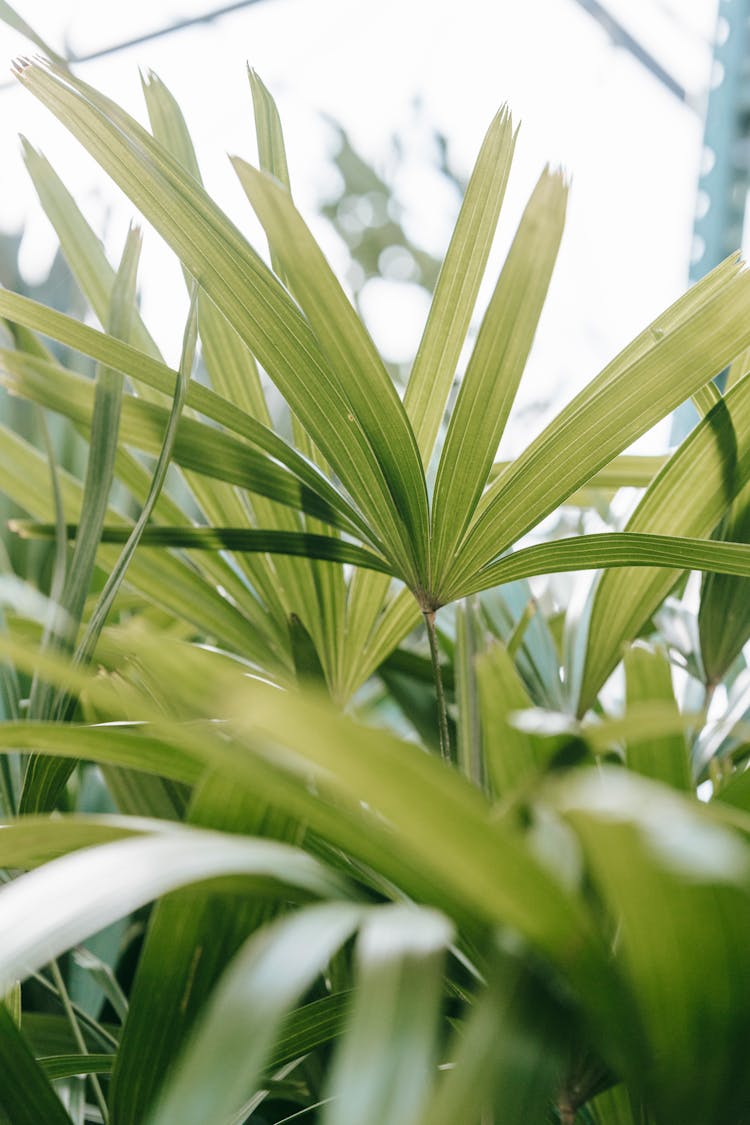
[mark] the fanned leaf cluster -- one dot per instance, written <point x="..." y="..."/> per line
<point x="243" y="884"/>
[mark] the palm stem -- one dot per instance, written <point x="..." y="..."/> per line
<point x="445" y="744"/>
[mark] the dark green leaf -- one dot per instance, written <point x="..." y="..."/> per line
<point x="26" y="1095"/>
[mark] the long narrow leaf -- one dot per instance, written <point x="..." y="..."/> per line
<point x="285" y="586"/>
<point x="143" y="369"/>
<point x="685" y="957"/>
<point x="106" y="599"/>
<point x="26" y="1094"/>
<point x="271" y="147"/>
<point x="10" y="16"/>
<point x="51" y="775"/>
<point x="322" y="612"/>
<point x="688" y="497"/>
<point x="648" y="678"/>
<point x="468" y="726"/>
<point x="136" y="747"/>
<point x="63" y="902"/>
<point x="629" y="470"/>
<point x="299" y="543"/>
<point x="375" y="405"/>
<point x="724" y="614"/>
<point x="104" y="431"/>
<point x="224" y="1061"/>
<point x="507" y="1055"/>
<point x="458" y="285"/>
<point x="418" y="832"/>
<point x="68" y="1066"/>
<point x="82" y="249"/>
<point x="198" y="447"/>
<point x="385" y="1061"/>
<point x="192" y="935"/>
<point x="613" y="549"/>
<point x="234" y="277"/>
<point x="495" y="368"/>
<point x="511" y="755"/>
<point x="164" y="580"/>
<point x="105" y="422"/>
<point x="367" y="647"/>
<point x="693" y="340"/>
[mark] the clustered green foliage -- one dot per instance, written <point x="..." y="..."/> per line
<point x="268" y="860"/>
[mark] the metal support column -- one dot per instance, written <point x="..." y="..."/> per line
<point x="725" y="170"/>
<point x="725" y="163"/>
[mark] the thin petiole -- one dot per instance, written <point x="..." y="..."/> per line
<point x="62" y="992"/>
<point x="445" y="744"/>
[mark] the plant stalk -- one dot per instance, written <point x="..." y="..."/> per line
<point x="445" y="744"/>
<point x="65" y="1000"/>
<point x="566" y="1110"/>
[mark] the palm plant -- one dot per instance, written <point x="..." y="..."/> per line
<point x="544" y="922"/>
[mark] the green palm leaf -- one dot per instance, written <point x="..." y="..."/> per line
<point x="458" y="284"/>
<point x="240" y="539"/>
<point x="236" y="279"/>
<point x="26" y="1096"/>
<point x="374" y="403"/>
<point x="685" y="957"/>
<point x="649" y="679"/>
<point x="495" y="368"/>
<point x="262" y="984"/>
<point x="59" y="904"/>
<point x="192" y="936"/>
<point x="143" y="369"/>
<point x="614" y="549"/>
<point x="385" y="1060"/>
<point x="693" y="340"/>
<point x="197" y="446"/>
<point x="688" y="497"/>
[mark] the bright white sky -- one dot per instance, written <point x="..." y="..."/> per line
<point x="631" y="147"/>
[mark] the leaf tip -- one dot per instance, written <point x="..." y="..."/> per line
<point x="27" y="148"/>
<point x="19" y="66"/>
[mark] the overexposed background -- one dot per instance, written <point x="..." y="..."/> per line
<point x="631" y="147"/>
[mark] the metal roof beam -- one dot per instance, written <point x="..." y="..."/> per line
<point x="621" y="37"/>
